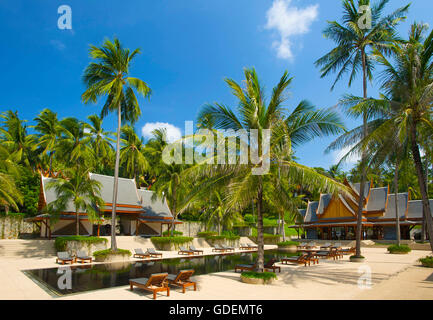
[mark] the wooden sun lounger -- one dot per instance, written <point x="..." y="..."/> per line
<point x="270" y="265"/>
<point x="184" y="250"/>
<point x="244" y="247"/>
<point x="64" y="257"/>
<point x="327" y="254"/>
<point x="182" y="279"/>
<point x="252" y="247"/>
<point x="228" y="248"/>
<point x="351" y="250"/>
<point x="192" y="248"/>
<point x="155" y="283"/>
<point x="245" y="267"/>
<point x="82" y="257"/>
<point x="153" y="253"/>
<point x="140" y="254"/>
<point x="302" y="259"/>
<point x="217" y="248"/>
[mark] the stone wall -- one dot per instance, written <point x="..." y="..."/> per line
<point x="189" y="228"/>
<point x="12" y="227"/>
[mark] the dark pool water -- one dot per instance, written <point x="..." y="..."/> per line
<point x="80" y="278"/>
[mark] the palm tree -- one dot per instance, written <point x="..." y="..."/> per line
<point x="10" y="196"/>
<point x="353" y="53"/>
<point x="73" y="146"/>
<point x="131" y="156"/>
<point x="100" y="141"/>
<point x="109" y="76"/>
<point x="15" y="139"/>
<point x="254" y="113"/>
<point x="48" y="127"/>
<point x="79" y="193"/>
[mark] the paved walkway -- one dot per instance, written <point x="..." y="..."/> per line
<point x="392" y="277"/>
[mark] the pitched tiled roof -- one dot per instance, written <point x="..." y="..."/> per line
<point x="377" y="199"/>
<point x="357" y="186"/>
<point x="323" y="202"/>
<point x="50" y="193"/>
<point x="153" y="208"/>
<point x="310" y="215"/>
<point x="402" y="202"/>
<point x="415" y="209"/>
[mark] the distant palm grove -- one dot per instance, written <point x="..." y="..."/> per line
<point x="394" y="141"/>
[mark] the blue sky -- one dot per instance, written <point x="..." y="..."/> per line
<point x="188" y="48"/>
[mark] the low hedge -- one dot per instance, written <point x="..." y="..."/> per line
<point x="427" y="261"/>
<point x="230" y="238"/>
<point x="399" y="248"/>
<point x="205" y="234"/>
<point x="175" y="233"/>
<point x="287" y="243"/>
<point x="60" y="243"/>
<point x="107" y="252"/>
<point x="173" y="240"/>
<point x="259" y="275"/>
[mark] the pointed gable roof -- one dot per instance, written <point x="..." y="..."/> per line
<point x="377" y="200"/>
<point x="402" y="205"/>
<point x="310" y="214"/>
<point x="156" y="208"/>
<point x="325" y="199"/>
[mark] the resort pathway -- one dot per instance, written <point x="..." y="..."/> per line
<point x="392" y="277"/>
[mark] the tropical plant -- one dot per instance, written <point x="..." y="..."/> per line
<point x="78" y="194"/>
<point x="131" y="156"/>
<point x="10" y="196"/>
<point x="101" y="143"/>
<point x="109" y="76"/>
<point x="48" y="129"/>
<point x="14" y="137"/>
<point x="353" y="53"/>
<point x="245" y="181"/>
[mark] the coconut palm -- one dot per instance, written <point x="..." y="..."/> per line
<point x="73" y="147"/>
<point x="14" y="137"/>
<point x="47" y="126"/>
<point x="353" y="53"/>
<point x="244" y="181"/>
<point x="78" y="193"/>
<point x="100" y="141"/>
<point x="10" y="196"/>
<point x="109" y="76"/>
<point x="131" y="156"/>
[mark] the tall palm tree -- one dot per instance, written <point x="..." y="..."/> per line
<point x="109" y="76"/>
<point x="79" y="193"/>
<point x="47" y="126"/>
<point x="100" y="141"/>
<point x="255" y="113"/>
<point x="131" y="155"/>
<point x="15" y="139"/>
<point x="407" y="82"/>
<point x="353" y="53"/>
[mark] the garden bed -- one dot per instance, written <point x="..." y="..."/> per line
<point x="73" y="244"/>
<point x="112" y="256"/>
<point x="252" y="277"/>
<point x="171" y="243"/>
<point x="399" y="249"/>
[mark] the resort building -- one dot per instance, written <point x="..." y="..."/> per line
<point x="139" y="211"/>
<point x="335" y="217"/>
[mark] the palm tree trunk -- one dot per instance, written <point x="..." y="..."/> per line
<point x="77" y="222"/>
<point x="421" y="180"/>
<point x="174" y="211"/>
<point x="397" y="217"/>
<point x="363" y="165"/>
<point x="260" y="240"/>
<point x="423" y="226"/>
<point x="116" y="181"/>
<point x="284" y="230"/>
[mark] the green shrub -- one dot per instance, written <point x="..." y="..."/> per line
<point x="399" y="248"/>
<point x="259" y="275"/>
<point x="427" y="261"/>
<point x="175" y="233"/>
<point x="229" y="237"/>
<point x="60" y="243"/>
<point x="107" y="252"/>
<point x="287" y="243"/>
<point x="205" y="234"/>
<point x="172" y="240"/>
<point x="355" y="256"/>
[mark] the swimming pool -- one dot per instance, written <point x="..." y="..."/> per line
<point x="74" y="279"/>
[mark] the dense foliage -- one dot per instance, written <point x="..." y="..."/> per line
<point x="60" y="242"/>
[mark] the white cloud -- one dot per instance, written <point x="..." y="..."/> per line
<point x="59" y="45"/>
<point x="289" y="21"/>
<point x="173" y="132"/>
<point x="351" y="160"/>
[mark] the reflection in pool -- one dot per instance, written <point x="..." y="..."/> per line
<point x="101" y="276"/>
